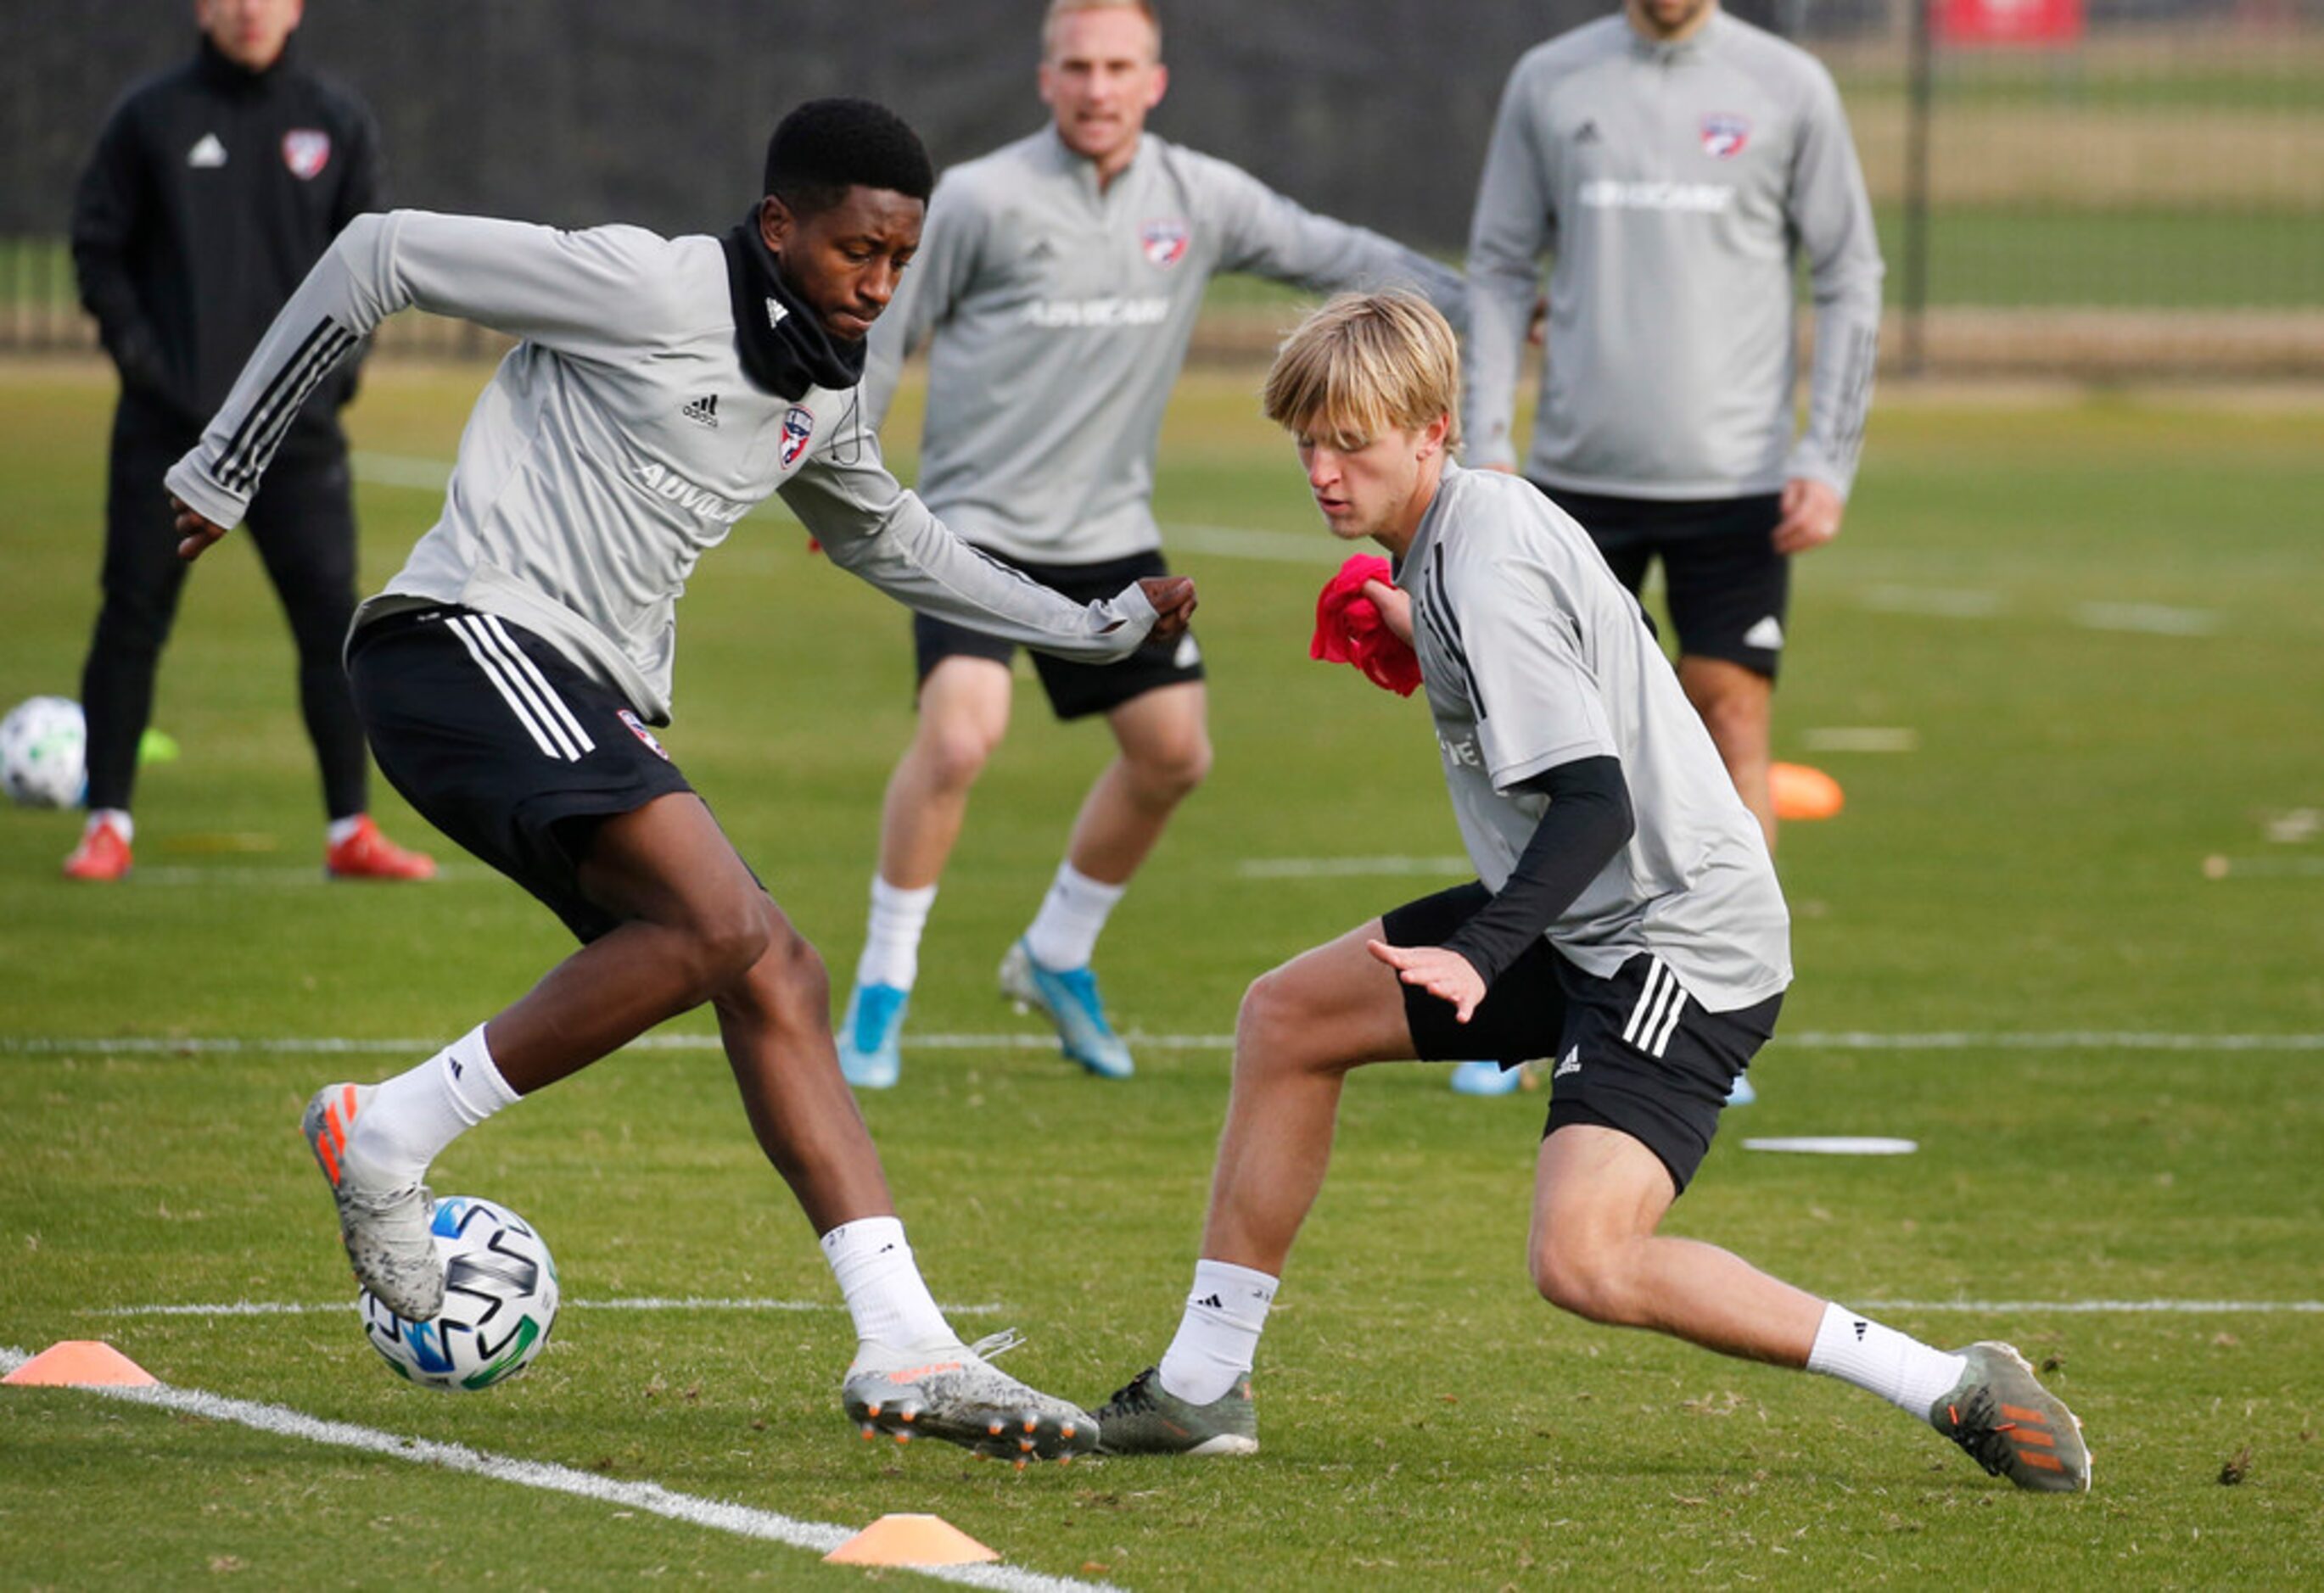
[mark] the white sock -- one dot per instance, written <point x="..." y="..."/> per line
<point x="118" y="817"/>
<point x="892" y="939"/>
<point x="1064" y="932"/>
<point x="1898" y="1368"/>
<point x="338" y="830"/>
<point x="882" y="1285"/>
<point x="1219" y="1335"/>
<point x="416" y="1114"/>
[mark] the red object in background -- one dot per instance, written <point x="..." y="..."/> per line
<point x="1349" y="629"/>
<point x="2009" y="22"/>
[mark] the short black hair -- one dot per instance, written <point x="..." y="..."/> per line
<point x="828" y="146"/>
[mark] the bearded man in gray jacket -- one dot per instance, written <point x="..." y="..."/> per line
<point x="1060" y="278"/>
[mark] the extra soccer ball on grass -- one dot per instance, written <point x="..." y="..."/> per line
<point x="42" y="742"/>
<point x="500" y="1301"/>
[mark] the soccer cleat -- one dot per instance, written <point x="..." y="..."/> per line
<point x="869" y="1057"/>
<point x="368" y="854"/>
<point x="1144" y="1418"/>
<point x="957" y="1394"/>
<point x="1485" y="1078"/>
<point x="103" y="855"/>
<point x="2013" y="1426"/>
<point x="1742" y="1094"/>
<point x="1071" y="1002"/>
<point x="385" y="1229"/>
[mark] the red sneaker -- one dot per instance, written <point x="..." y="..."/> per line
<point x="369" y="855"/>
<point x="102" y="854"/>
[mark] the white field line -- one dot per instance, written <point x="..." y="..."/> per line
<point x="1996" y="1307"/>
<point x="1241" y="542"/>
<point x="718" y="1514"/>
<point x="2145" y="618"/>
<point x="1935" y="602"/>
<point x="2103" y="1307"/>
<point x="639" y="1302"/>
<point x="1861" y="738"/>
<point x="1806" y="1040"/>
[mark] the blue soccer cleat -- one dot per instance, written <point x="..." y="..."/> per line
<point x="1485" y="1078"/>
<point x="1742" y="1094"/>
<point x="869" y="1036"/>
<point x="1070" y="1000"/>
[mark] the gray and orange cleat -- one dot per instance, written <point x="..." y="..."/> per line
<point x="1144" y="1418"/>
<point x="383" y="1226"/>
<point x="2013" y="1426"/>
<point x="955" y="1394"/>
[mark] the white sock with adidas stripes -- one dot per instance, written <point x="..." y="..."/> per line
<point x="416" y="1114"/>
<point x="1898" y="1368"/>
<point x="1218" y="1337"/>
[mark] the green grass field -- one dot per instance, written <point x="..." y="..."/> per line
<point x="2093" y="625"/>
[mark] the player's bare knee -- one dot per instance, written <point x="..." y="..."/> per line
<point x="1170" y="774"/>
<point x="1579" y="1277"/>
<point x="727" y="937"/>
<point x="1274" y="1026"/>
<point x="953" y="754"/>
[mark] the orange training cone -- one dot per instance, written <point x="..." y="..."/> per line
<point x="80" y="1363"/>
<point x="1803" y="793"/>
<point x="910" y="1540"/>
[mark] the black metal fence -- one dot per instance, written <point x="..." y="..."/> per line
<point x="2142" y="193"/>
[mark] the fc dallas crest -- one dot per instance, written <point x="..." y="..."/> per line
<point x="1724" y="135"/>
<point x="307" y="151"/>
<point x="1165" y="243"/>
<point x="798" y="430"/>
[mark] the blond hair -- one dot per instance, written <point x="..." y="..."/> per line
<point x="1059" y="8"/>
<point x="1365" y="365"/>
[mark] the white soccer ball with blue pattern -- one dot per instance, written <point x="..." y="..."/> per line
<point x="500" y="1301"/>
<point x="44" y="746"/>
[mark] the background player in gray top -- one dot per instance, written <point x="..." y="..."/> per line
<point x="506" y="676"/>
<point x="1060" y="278"/>
<point x="1678" y="163"/>
<point x="1626" y="921"/>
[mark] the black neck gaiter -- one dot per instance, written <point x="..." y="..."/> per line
<point x="785" y="346"/>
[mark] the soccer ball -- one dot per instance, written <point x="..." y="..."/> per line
<point x="42" y="743"/>
<point x="500" y="1301"/>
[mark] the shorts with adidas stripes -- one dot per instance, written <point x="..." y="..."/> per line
<point x="502" y="743"/>
<point x="1076" y="689"/>
<point x="1728" y="590"/>
<point x="1632" y="1052"/>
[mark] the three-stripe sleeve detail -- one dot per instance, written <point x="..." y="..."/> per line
<point x="1655" y="1019"/>
<point x="522" y="686"/>
<point x="252" y="447"/>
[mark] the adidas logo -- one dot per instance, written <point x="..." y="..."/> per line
<point x="207" y="153"/>
<point x="1767" y="633"/>
<point x="1586" y="134"/>
<point x="1042" y="249"/>
<point x="455" y="1065"/>
<point x="705" y="410"/>
<point x="776" y="313"/>
<point x="1571" y="1062"/>
<point x="1859" y="1331"/>
<point x="1212" y="1304"/>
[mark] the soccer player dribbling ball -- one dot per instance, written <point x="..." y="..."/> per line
<point x="508" y="676"/>
<point x="1625" y="921"/>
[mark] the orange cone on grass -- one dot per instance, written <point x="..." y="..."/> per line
<point x="910" y="1540"/>
<point x="80" y="1363"/>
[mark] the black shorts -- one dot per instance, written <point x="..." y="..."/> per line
<point x="1633" y="1052"/>
<point x="1076" y="690"/>
<point x="502" y="743"/>
<point x="1729" y="590"/>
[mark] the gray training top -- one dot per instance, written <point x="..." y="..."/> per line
<point x="613" y="447"/>
<point x="1534" y="656"/>
<point x="1677" y="185"/>
<point x="1061" y="314"/>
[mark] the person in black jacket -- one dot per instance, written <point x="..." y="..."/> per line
<point x="214" y="187"/>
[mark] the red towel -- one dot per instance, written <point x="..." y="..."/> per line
<point x="1349" y="629"/>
